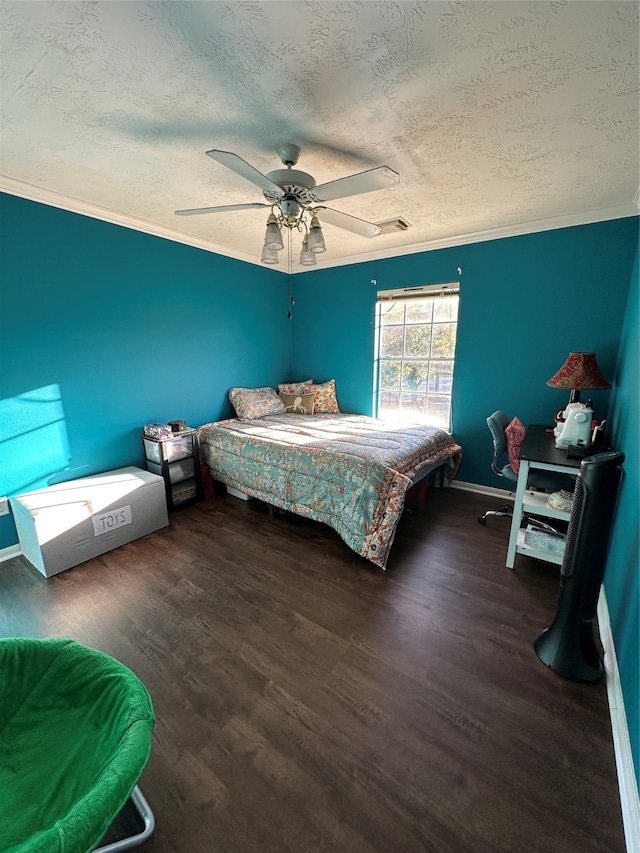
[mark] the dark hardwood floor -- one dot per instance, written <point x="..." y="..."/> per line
<point x="308" y="701"/>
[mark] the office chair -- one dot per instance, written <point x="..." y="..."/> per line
<point x="544" y="481"/>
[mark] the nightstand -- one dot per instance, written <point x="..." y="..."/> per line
<point x="177" y="460"/>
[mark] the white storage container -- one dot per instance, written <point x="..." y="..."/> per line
<point x="238" y="494"/>
<point x="63" y="525"/>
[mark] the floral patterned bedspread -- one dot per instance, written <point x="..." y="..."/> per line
<point x="349" y="471"/>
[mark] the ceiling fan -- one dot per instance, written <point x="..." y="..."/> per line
<point x="292" y="194"/>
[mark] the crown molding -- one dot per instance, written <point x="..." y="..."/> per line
<point x="74" y="205"/>
<point x="567" y="220"/>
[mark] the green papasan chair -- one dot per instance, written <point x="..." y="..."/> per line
<point x="75" y="735"/>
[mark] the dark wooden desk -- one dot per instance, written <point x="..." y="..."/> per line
<point x="539" y="447"/>
<point x="538" y="451"/>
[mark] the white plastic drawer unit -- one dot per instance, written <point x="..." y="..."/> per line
<point x="169" y="450"/>
<point x="181" y="469"/>
<point x="63" y="525"/>
<point x="183" y="491"/>
<point x="176" y="459"/>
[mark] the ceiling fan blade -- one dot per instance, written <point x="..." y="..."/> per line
<point x="364" y="182"/>
<point x="348" y="222"/>
<point x="221" y="208"/>
<point x="242" y="168"/>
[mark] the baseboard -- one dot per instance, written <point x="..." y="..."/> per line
<point x="627" y="784"/>
<point x="10" y="552"/>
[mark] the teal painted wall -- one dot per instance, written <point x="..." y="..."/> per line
<point x="525" y="303"/>
<point x="132" y="328"/>
<point x="622" y="578"/>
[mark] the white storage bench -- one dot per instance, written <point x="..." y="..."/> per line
<point x="63" y="525"/>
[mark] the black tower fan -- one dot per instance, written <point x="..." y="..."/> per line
<point x="568" y="645"/>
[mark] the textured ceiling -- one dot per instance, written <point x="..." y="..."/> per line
<point x="498" y="117"/>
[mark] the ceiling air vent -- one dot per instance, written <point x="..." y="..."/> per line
<point x="393" y="226"/>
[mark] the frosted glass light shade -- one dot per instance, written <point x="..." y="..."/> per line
<point x="273" y="235"/>
<point x="269" y="256"/>
<point x="316" y="238"/>
<point x="307" y="258"/>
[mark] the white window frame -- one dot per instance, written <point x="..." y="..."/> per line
<point x="404" y="295"/>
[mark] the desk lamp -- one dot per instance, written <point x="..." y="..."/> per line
<point x="580" y="372"/>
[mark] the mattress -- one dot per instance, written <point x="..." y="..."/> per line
<point x="351" y="472"/>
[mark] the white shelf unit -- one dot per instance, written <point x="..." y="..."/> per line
<point x="531" y="502"/>
<point x="535" y="503"/>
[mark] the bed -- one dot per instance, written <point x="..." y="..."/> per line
<point x="351" y="472"/>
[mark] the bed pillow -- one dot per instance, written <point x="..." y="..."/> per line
<point x="298" y="404"/>
<point x="325" y="398"/>
<point x="295" y="387"/>
<point x="255" y="402"/>
<point x="514" y="436"/>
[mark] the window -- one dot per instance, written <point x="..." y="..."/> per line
<point x="415" y="351"/>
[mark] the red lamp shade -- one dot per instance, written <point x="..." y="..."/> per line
<point x="579" y="372"/>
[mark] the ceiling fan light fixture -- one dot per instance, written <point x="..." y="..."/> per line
<point x="307" y="258"/>
<point x="269" y="256"/>
<point x="273" y="235"/>
<point x="294" y="197"/>
<point x="316" y="238"/>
